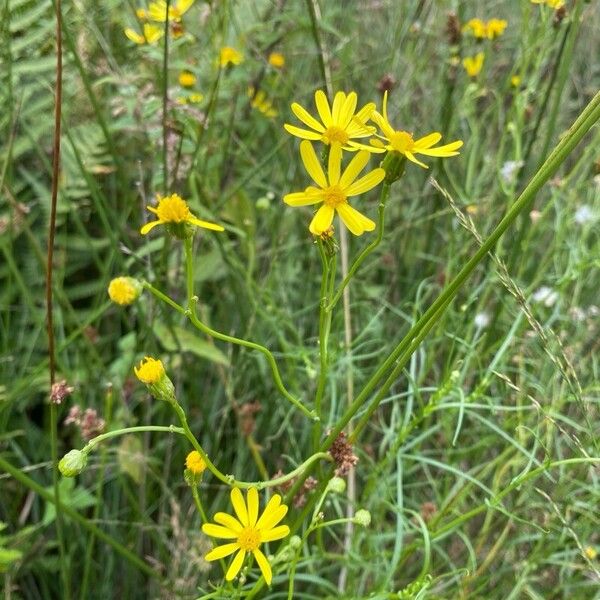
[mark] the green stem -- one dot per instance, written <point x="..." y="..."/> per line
<point x="110" y="434"/>
<point x="385" y="194"/>
<point x="165" y="98"/>
<point x="75" y="516"/>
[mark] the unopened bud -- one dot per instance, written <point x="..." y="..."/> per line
<point x="336" y="485"/>
<point x="362" y="517"/>
<point x="72" y="463"/>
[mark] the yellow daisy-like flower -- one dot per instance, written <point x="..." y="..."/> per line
<point x="230" y="56"/>
<point x="477" y="27"/>
<point x="473" y="64"/>
<point x="339" y="122"/>
<point x="124" y="290"/>
<point x="195" y="463"/>
<point x="187" y="79"/>
<point x="277" y="60"/>
<point x="403" y="142"/>
<point x="495" y="28"/>
<point x="157" y="11"/>
<point x="174" y="209"/>
<point x="248" y="531"/>
<point x="150" y="371"/>
<point x="151" y="35"/>
<point x="515" y="81"/>
<point x="335" y="189"/>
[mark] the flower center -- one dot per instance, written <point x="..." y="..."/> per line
<point x="334" y="196"/>
<point x="402" y="141"/>
<point x="335" y="134"/>
<point x="249" y="539"/>
<point x="173" y="209"/>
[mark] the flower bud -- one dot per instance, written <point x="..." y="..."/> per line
<point x="72" y="463"/>
<point x="151" y="372"/>
<point x="362" y="517"/>
<point x="336" y="485"/>
<point x="124" y="290"/>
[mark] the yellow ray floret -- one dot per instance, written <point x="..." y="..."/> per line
<point x="157" y="11"/>
<point x="247" y="532"/>
<point x="151" y="34"/>
<point x="403" y="142"/>
<point x="335" y="189"/>
<point x="174" y="209"/>
<point x="339" y="122"/>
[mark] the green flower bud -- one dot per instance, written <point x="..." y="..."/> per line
<point x="337" y="485"/>
<point x="72" y="463"/>
<point x="362" y="517"/>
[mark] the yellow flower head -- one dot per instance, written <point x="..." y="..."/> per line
<point x="591" y="552"/>
<point x="403" y="142"/>
<point x="477" y="27"/>
<point x="174" y="210"/>
<point x="339" y="122"/>
<point x="495" y="28"/>
<point x="124" y="290"/>
<point x="195" y="463"/>
<point x="335" y="189"/>
<point x="150" y="371"/>
<point x="187" y="79"/>
<point x="473" y="64"/>
<point x="260" y="102"/>
<point x="230" y="56"/>
<point x="277" y="60"/>
<point x="157" y="11"/>
<point x="515" y="81"/>
<point x="248" y="531"/>
<point x="141" y="14"/>
<point x="151" y="34"/>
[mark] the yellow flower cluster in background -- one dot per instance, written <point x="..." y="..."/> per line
<point x="277" y="60"/>
<point x="261" y="103"/>
<point x="555" y="4"/>
<point x="482" y="30"/>
<point x="188" y="80"/>
<point x="473" y="64"/>
<point x="157" y="12"/>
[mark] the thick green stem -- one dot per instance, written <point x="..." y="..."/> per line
<point x="126" y="430"/>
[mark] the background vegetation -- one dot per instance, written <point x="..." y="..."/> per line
<point x="505" y="383"/>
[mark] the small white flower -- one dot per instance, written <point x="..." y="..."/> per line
<point x="509" y="170"/>
<point x="482" y="320"/>
<point x="584" y="214"/>
<point x="546" y="296"/>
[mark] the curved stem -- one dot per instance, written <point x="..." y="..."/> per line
<point x="110" y="434"/>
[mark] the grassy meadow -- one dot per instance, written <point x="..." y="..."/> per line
<point x="418" y="385"/>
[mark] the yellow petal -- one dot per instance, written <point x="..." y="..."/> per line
<point x="365" y="113"/>
<point x="228" y="521"/>
<point x="221" y="551"/>
<point x="274" y="534"/>
<point x="263" y="563"/>
<point x="336" y="109"/>
<point x="386" y="128"/>
<point x="307" y="118"/>
<point x="301" y="199"/>
<point x="335" y="163"/>
<point x="376" y="148"/>
<point x="148" y="226"/>
<point x="364" y="184"/>
<point x="320" y="223"/>
<point x="239" y="506"/>
<point x="218" y="531"/>
<point x="252" y="500"/>
<point x="357" y="164"/>
<point x="428" y="141"/>
<point x="312" y="164"/>
<point x="356" y="222"/>
<point x="323" y="107"/>
<point x="134" y="36"/>
<point x="447" y="150"/>
<point x="302" y="133"/>
<point x="152" y="33"/>
<point x="205" y="224"/>
<point x="272" y="505"/>
<point x="414" y="159"/>
<point x="236" y="565"/>
<point x="348" y="109"/>
<point x="183" y="6"/>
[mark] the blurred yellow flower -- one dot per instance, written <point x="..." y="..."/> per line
<point x="555" y="4"/>
<point x="473" y="64"/>
<point x="157" y="11"/>
<point x="230" y="56"/>
<point x="515" y="81"/>
<point x="476" y="27"/>
<point x="248" y="531"/>
<point x="590" y="552"/>
<point x="150" y="371"/>
<point x="481" y="30"/>
<point x="339" y="123"/>
<point x="187" y="79"/>
<point x="174" y="209"/>
<point x="151" y="34"/>
<point x="495" y="28"/>
<point x="403" y="142"/>
<point x="277" y="60"/>
<point x="141" y="13"/>
<point x="124" y="290"/>
<point x="335" y="189"/>
<point x="260" y="102"/>
<point x="195" y="463"/>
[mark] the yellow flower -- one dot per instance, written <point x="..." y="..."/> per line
<point x="151" y="34"/>
<point x="248" y="531"/>
<point x="335" y="189"/>
<point x="124" y="290"/>
<point x="230" y="56"/>
<point x="555" y="4"/>
<point x="174" y="209"/>
<point x="403" y="142"/>
<point x="473" y="64"/>
<point x="150" y="371"/>
<point x="339" y="123"/>
<point x="261" y="103"/>
<point x="477" y="28"/>
<point x="187" y="79"/>
<point x="157" y="11"/>
<point x="277" y="60"/>
<point x="195" y="463"/>
<point x="590" y="552"/>
<point x="141" y="13"/>
<point x="515" y="81"/>
<point x="495" y="28"/>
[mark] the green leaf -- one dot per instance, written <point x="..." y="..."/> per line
<point x="178" y="338"/>
<point x="71" y="496"/>
<point x="131" y="457"/>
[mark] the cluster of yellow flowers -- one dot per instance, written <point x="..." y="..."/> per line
<point x="481" y="29"/>
<point x="157" y="13"/>
<point x="341" y="127"/>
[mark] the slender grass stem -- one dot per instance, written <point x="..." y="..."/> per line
<point x="165" y="100"/>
